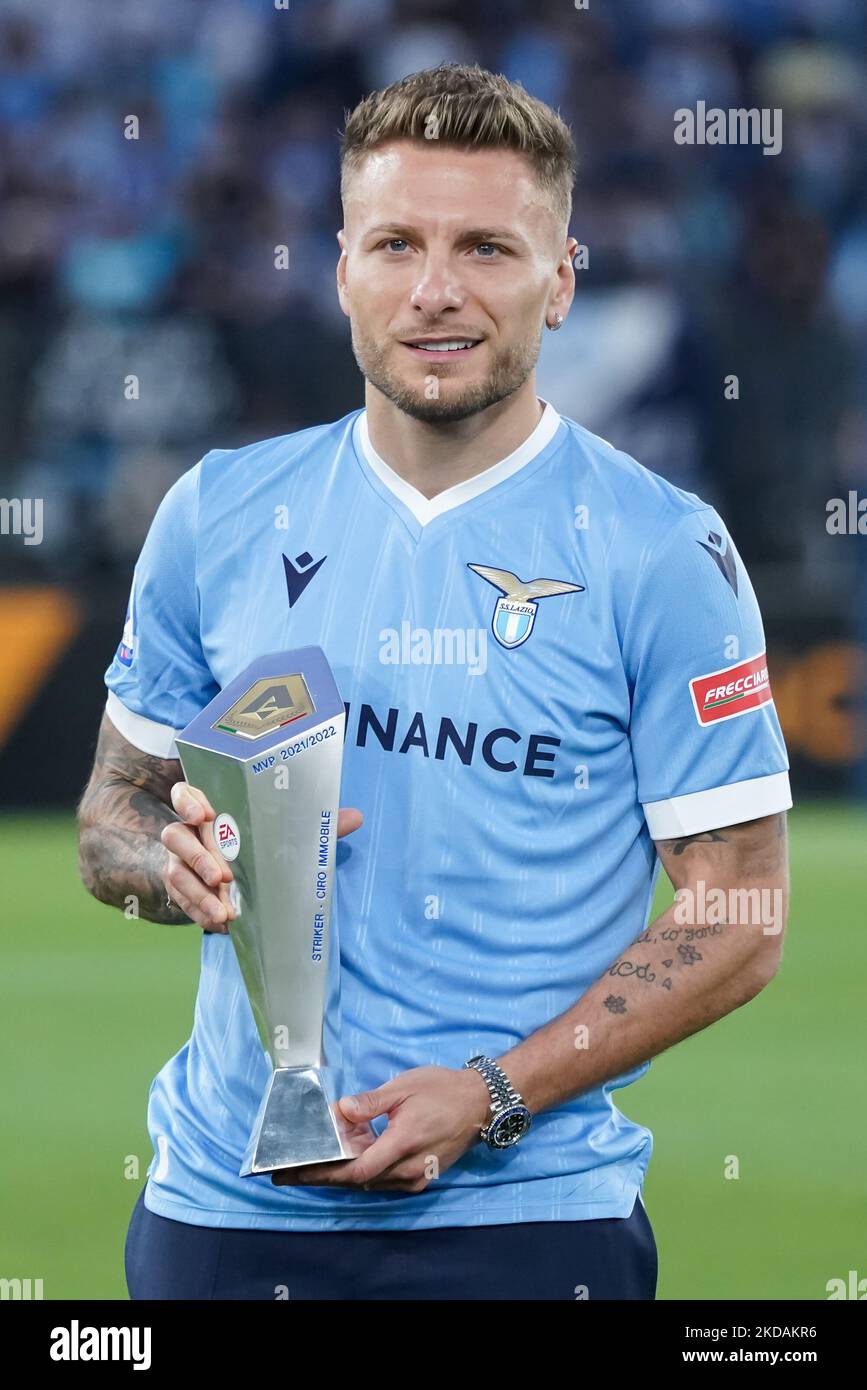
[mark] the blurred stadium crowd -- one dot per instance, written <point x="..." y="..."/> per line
<point x="155" y="256"/>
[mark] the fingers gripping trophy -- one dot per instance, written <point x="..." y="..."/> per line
<point x="267" y="752"/>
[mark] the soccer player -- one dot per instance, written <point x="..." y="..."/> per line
<point x="553" y="666"/>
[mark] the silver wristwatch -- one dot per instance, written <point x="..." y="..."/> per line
<point x="510" y="1118"/>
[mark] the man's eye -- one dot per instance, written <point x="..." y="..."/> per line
<point x="486" y="246"/>
<point x="396" y="241"/>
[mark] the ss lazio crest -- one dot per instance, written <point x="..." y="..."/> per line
<point x="515" y="612"/>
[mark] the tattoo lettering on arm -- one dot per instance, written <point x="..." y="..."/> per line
<point x="125" y="806"/>
<point x="628" y="967"/>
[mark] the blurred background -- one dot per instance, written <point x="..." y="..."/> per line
<point x="154" y="257"/>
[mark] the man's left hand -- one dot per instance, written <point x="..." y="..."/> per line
<point x="434" y="1115"/>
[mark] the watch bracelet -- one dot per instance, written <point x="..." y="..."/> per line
<point x="500" y="1090"/>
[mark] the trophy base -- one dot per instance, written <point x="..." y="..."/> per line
<point x="296" y="1124"/>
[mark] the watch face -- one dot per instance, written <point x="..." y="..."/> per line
<point x="509" y="1127"/>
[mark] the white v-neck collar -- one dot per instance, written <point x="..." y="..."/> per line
<point x="424" y="509"/>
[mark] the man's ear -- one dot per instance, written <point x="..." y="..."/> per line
<point x="564" y="279"/>
<point x="342" y="291"/>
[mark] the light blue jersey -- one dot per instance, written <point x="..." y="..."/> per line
<point x="545" y="668"/>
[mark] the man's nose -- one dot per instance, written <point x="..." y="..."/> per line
<point x="437" y="289"/>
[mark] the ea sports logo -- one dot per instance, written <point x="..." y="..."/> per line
<point x="226" y="835"/>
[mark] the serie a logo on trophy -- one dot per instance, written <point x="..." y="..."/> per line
<point x="267" y="752"/>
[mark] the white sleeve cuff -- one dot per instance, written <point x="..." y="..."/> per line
<point x="144" y="734"/>
<point x="699" y="811"/>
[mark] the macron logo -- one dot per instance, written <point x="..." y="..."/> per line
<point x="300" y="573"/>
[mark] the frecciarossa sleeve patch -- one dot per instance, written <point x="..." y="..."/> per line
<point x="732" y="691"/>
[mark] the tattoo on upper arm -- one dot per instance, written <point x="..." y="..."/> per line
<point x="707" y="837"/>
<point x="751" y="849"/>
<point x="119" y="764"/>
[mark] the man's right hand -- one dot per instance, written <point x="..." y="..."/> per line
<point x="197" y="877"/>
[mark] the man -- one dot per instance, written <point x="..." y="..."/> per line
<point x="552" y="665"/>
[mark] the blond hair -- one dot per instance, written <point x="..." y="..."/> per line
<point x="468" y="108"/>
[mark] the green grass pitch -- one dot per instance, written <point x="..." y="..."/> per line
<point x="93" y="1005"/>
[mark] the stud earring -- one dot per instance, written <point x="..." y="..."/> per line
<point x="558" y="323"/>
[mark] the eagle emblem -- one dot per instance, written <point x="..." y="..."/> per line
<point x="515" y="611"/>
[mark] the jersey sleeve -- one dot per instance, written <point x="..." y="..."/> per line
<point x="707" y="745"/>
<point x="159" y="678"/>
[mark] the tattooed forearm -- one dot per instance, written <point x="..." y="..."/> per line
<point x="119" y="865"/>
<point x="124" y="808"/>
<point x="662" y="969"/>
<point x="682" y="973"/>
<point x="677" y="952"/>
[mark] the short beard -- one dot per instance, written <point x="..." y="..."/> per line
<point x="509" y="371"/>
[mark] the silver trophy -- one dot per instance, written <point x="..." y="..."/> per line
<point x="267" y="752"/>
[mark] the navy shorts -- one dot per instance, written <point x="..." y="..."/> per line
<point x="612" y="1258"/>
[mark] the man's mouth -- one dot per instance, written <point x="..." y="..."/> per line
<point x="438" y="349"/>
